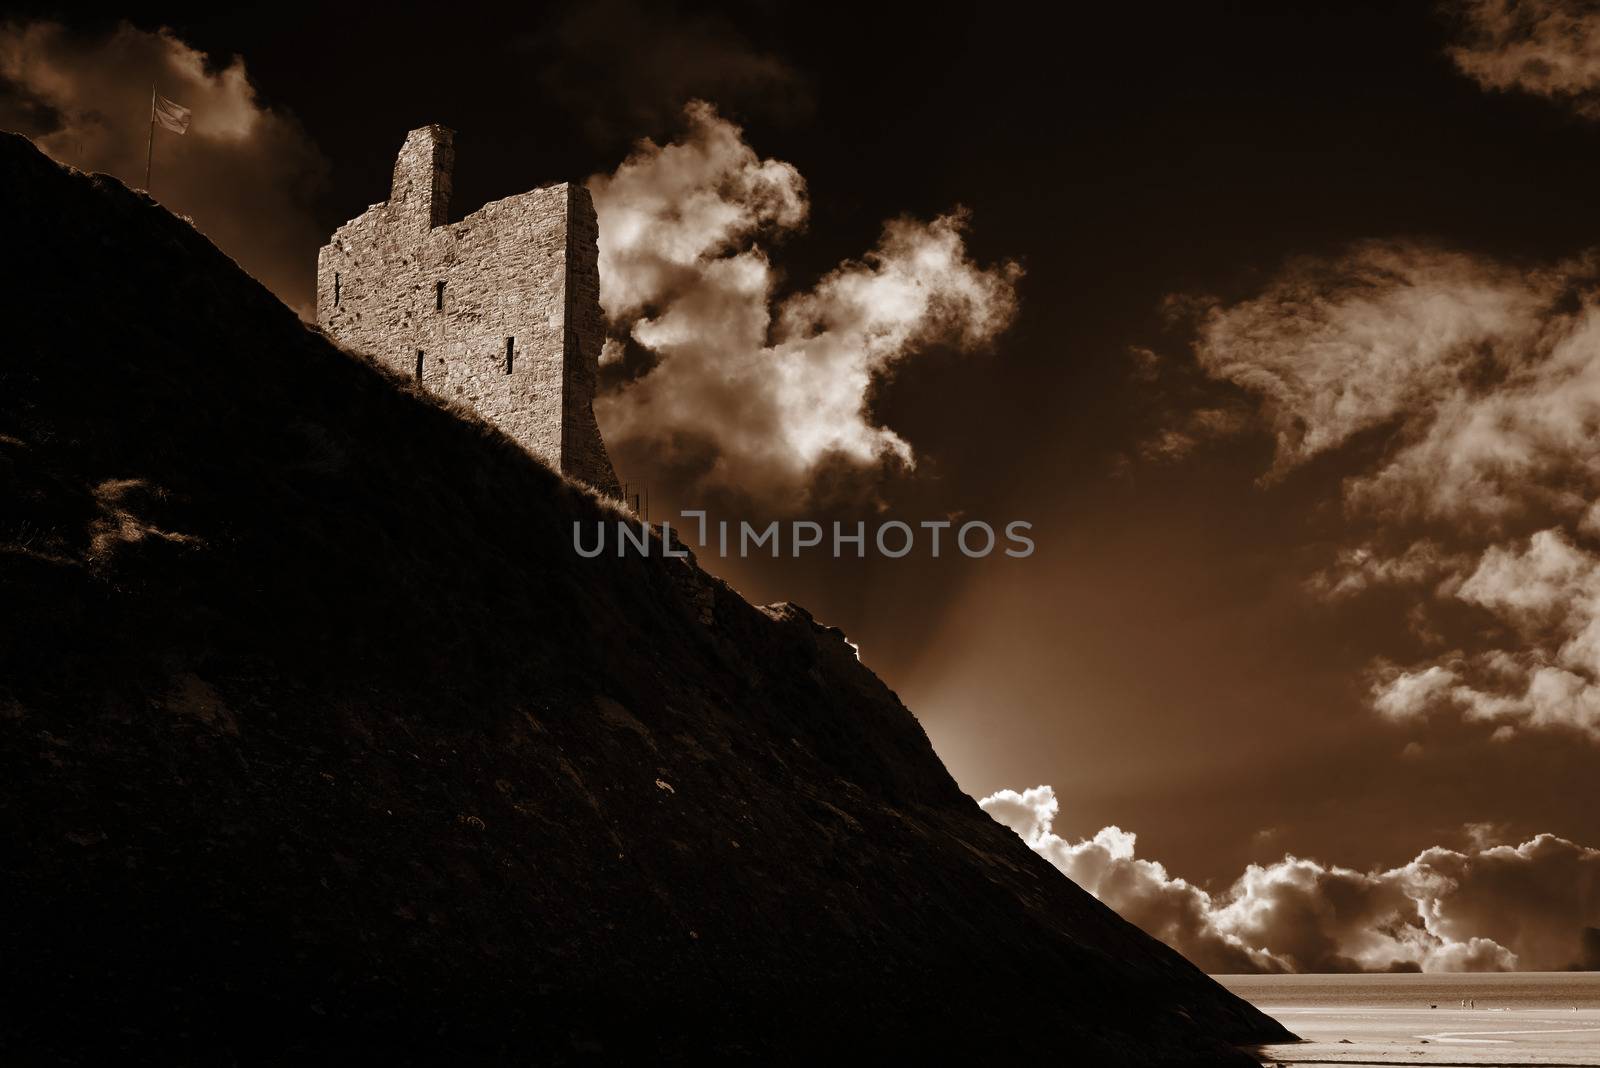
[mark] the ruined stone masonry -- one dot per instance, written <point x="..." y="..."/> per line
<point x="500" y="310"/>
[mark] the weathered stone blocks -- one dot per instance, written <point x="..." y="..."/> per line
<point x="500" y="310"/>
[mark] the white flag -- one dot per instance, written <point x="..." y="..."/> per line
<point x="174" y="117"/>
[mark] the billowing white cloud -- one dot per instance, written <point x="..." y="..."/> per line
<point x="1548" y="590"/>
<point x="243" y="172"/>
<point x="764" y="393"/>
<point x="1479" y="384"/>
<point x="1404" y="695"/>
<point x="1550" y="48"/>
<point x="1534" y="906"/>
<point x="669" y="211"/>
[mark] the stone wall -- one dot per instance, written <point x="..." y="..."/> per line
<point x="500" y="311"/>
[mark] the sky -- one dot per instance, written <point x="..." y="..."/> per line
<point x="1277" y="321"/>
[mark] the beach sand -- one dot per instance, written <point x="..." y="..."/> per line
<point x="1443" y="1036"/>
<point x="1502" y="1018"/>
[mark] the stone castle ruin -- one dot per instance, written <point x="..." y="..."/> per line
<point x="500" y="310"/>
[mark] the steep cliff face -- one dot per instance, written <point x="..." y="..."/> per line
<point x="317" y="736"/>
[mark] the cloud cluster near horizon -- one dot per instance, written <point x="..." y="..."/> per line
<point x="741" y="389"/>
<point x="1549" y="48"/>
<point x="1462" y="396"/>
<point x="243" y="172"/>
<point x="1534" y="906"/>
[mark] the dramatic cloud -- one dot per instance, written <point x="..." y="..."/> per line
<point x="747" y="392"/>
<point x="1483" y="368"/>
<point x="1473" y="390"/>
<point x="1549" y="48"/>
<point x="242" y="172"/>
<point x="1534" y="906"/>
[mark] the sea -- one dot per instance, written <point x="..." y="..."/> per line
<point x="1414" y="990"/>
<point x="1503" y="1019"/>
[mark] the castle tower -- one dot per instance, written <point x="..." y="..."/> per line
<point x="422" y="175"/>
<point x="500" y="310"/>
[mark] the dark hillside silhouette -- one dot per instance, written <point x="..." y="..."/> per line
<point x="316" y="737"/>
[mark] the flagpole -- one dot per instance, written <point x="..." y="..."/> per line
<point x="150" y="147"/>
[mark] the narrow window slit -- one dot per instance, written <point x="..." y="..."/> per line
<point x="335" y="289"/>
<point x="511" y="353"/>
<point x="419" y="365"/>
<point x="438" y="296"/>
